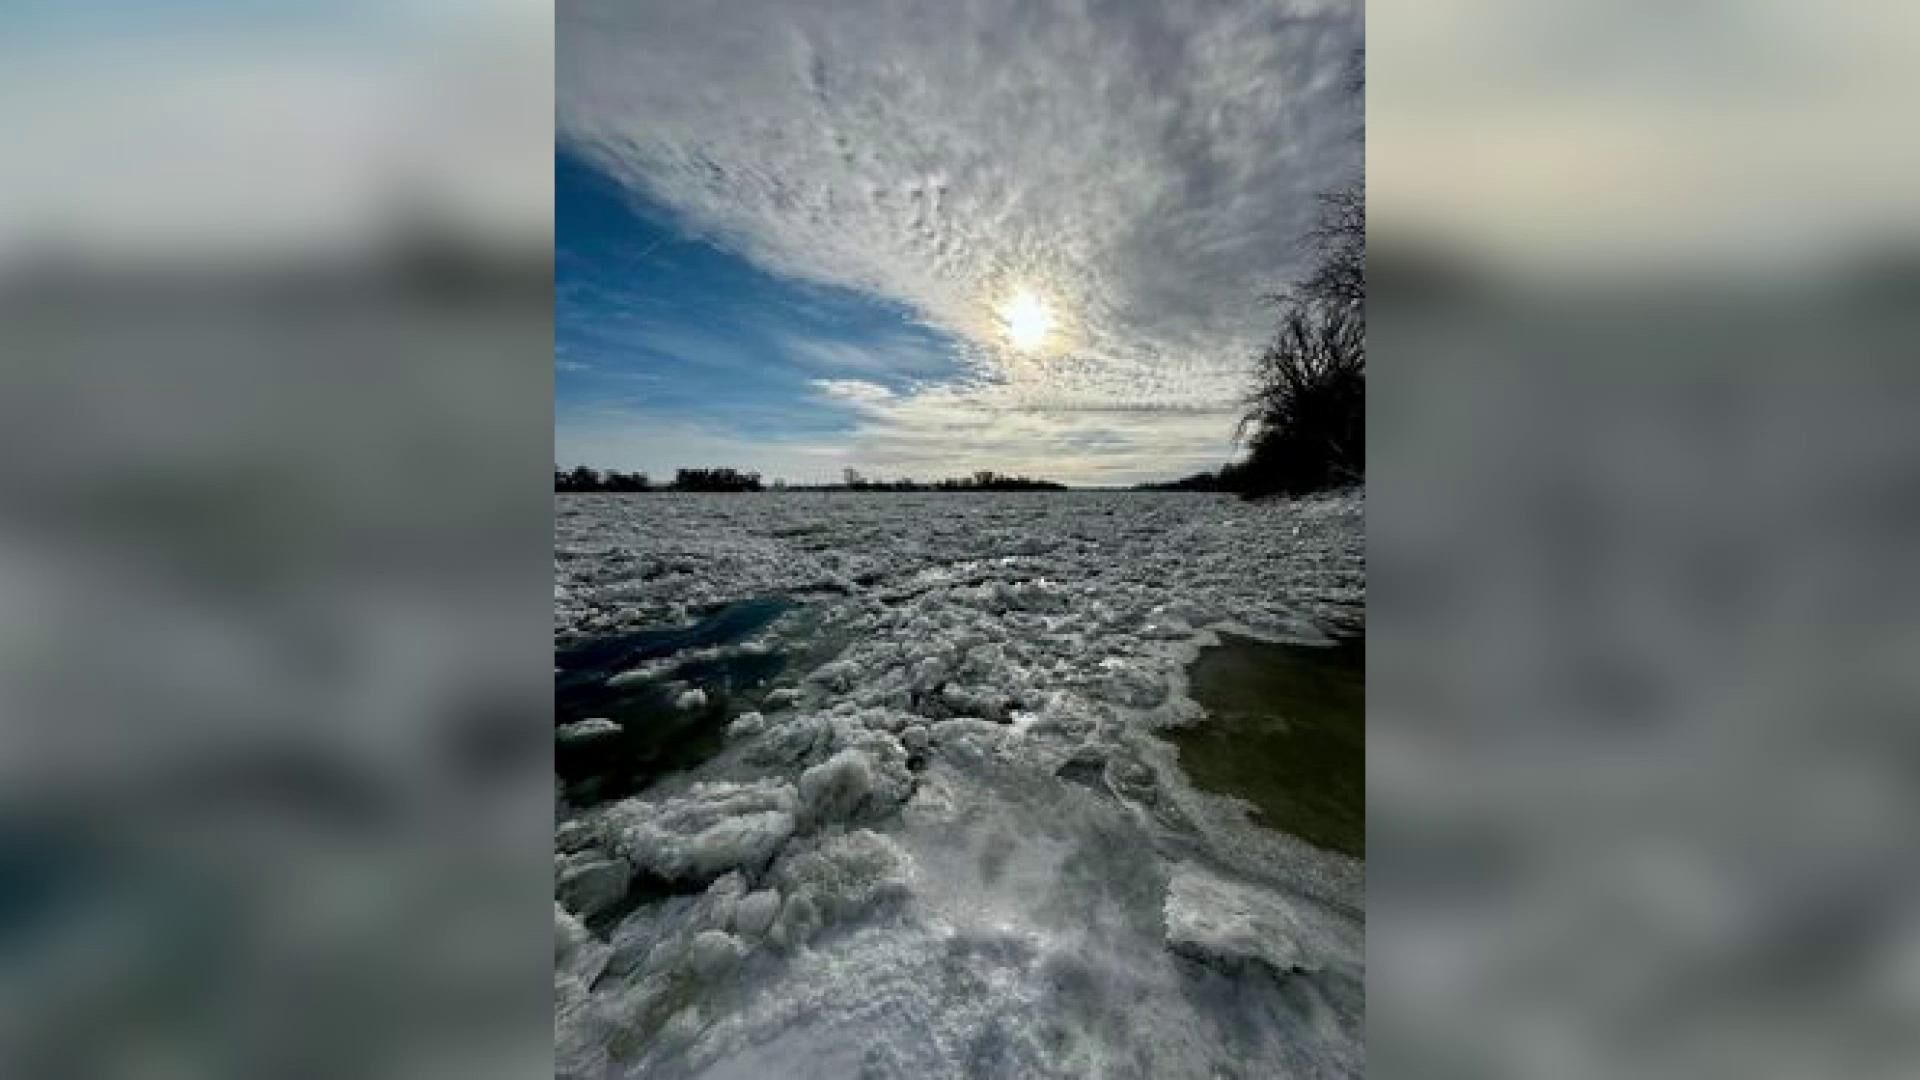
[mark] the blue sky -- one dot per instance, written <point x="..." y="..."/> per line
<point x="927" y="238"/>
<point x="668" y="345"/>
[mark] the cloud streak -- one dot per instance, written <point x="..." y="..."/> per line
<point x="1148" y="169"/>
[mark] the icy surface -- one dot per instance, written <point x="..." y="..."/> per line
<point x="1226" y="924"/>
<point x="585" y="731"/>
<point x="947" y="843"/>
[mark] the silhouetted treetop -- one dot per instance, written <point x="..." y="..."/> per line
<point x="716" y="480"/>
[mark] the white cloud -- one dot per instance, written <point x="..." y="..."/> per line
<point x="1148" y="170"/>
<point x="955" y="430"/>
<point x="857" y="392"/>
<point x="900" y="357"/>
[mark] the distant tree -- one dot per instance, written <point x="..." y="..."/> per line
<point x="579" y="478"/>
<point x="619" y="481"/>
<point x="983" y="480"/>
<point x="582" y="478"/>
<point x="988" y="480"/>
<point x="722" y="479"/>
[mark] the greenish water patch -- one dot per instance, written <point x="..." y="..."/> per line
<point x="1286" y="731"/>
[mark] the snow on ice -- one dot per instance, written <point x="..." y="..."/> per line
<point x="947" y="842"/>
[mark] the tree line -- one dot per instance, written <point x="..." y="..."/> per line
<point x="581" y="478"/>
<point x="982" y="480"/>
<point x="585" y="479"/>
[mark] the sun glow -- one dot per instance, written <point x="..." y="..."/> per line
<point x="1028" y="320"/>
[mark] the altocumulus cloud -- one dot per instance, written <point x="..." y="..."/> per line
<point x="1146" y="168"/>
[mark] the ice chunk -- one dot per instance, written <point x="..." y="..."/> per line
<point x="1229" y="925"/>
<point x="845" y="875"/>
<point x="1122" y="683"/>
<point x="581" y="732"/>
<point x="681" y="1028"/>
<point x="915" y="739"/>
<point x="798" y="740"/>
<point x="850" y="783"/>
<point x="799" y="920"/>
<point x="690" y="700"/>
<point x="577" y="955"/>
<point x="982" y="701"/>
<point x="713" y="952"/>
<point x="714" y="828"/>
<point x="967" y="740"/>
<point x="746" y="725"/>
<point x="755" y="912"/>
<point x="1135" y="781"/>
<point x="745" y="841"/>
<point x="575" y="835"/>
<point x="591" y="888"/>
<point x="848" y="872"/>
<point x="1067" y="718"/>
<point x="928" y="673"/>
<point x="838" y="676"/>
<point x="1168" y="630"/>
<point x="1087" y="766"/>
<point x="717" y="906"/>
<point x="568" y="935"/>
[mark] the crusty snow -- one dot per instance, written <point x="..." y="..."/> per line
<point x="948" y="843"/>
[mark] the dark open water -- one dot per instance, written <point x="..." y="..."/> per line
<point x="1285" y="730"/>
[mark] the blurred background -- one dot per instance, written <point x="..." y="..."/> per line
<point x="275" y="590"/>
<point x="1645" y="624"/>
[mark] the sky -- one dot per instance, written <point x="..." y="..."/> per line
<point x="921" y="239"/>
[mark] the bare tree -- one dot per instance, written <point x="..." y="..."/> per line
<point x="1306" y="414"/>
<point x="1340" y="242"/>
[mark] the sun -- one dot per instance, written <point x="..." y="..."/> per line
<point x="1028" y="320"/>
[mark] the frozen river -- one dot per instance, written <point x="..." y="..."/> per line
<point x="869" y="785"/>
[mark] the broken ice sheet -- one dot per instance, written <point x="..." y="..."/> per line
<point x="945" y="837"/>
